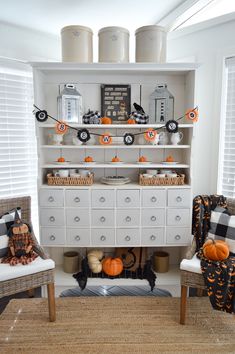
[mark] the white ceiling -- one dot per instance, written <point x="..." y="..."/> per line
<point x="51" y="15"/>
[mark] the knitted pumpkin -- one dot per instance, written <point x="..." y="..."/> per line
<point x="215" y="250"/>
<point x="112" y="266"/>
<point x="94" y="257"/>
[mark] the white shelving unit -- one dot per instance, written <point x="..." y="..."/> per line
<point x="58" y="209"/>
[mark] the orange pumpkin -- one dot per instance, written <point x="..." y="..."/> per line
<point x="88" y="159"/>
<point x="169" y="159"/>
<point x="61" y="159"/>
<point x="106" y="120"/>
<point x="112" y="266"/>
<point x="143" y="159"/>
<point x="131" y="121"/>
<point x="215" y="250"/>
<point x="116" y="159"/>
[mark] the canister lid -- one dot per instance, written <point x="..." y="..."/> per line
<point x="76" y="28"/>
<point x="113" y="29"/>
<point x="150" y="28"/>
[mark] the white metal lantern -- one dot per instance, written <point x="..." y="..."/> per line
<point x="161" y="107"/>
<point x="69" y="104"/>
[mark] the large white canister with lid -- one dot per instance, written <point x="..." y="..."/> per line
<point x="77" y="44"/>
<point x="150" y="44"/>
<point x="114" y="45"/>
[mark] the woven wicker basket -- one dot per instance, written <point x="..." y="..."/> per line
<point x="157" y="181"/>
<point x="70" y="181"/>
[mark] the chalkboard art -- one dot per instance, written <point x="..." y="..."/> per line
<point x="116" y="102"/>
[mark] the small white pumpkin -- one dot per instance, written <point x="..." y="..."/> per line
<point x="94" y="257"/>
<point x="97" y="253"/>
<point x="96" y="268"/>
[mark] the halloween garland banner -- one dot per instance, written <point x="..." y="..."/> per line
<point x="83" y="134"/>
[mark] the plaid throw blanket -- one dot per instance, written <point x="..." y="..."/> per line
<point x="219" y="276"/>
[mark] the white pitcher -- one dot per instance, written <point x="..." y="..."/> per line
<point x="163" y="138"/>
<point x="176" y="138"/>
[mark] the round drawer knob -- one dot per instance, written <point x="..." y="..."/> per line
<point x="127" y="199"/>
<point x="102" y="199"/>
<point x="153" y="218"/>
<point x="51" y="199"/>
<point x="77" y="238"/>
<point x="153" y="199"/>
<point x="179" y="199"/>
<point x="77" y="200"/>
<point x="128" y="219"/>
<point x="177" y="237"/>
<point x="152" y="237"/>
<point x="102" y="219"/>
<point x="102" y="238"/>
<point x="52" y="238"/>
<point x="52" y="218"/>
<point x="77" y="219"/>
<point x="178" y="218"/>
<point x="127" y="238"/>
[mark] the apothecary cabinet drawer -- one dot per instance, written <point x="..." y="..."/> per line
<point x="153" y="198"/>
<point x="52" y="217"/>
<point x="102" y="198"/>
<point x="153" y="236"/>
<point x="51" y="197"/>
<point x="102" y="218"/>
<point x="77" y="217"/>
<point x="153" y="217"/>
<point x="51" y="236"/>
<point x="78" y="237"/>
<point x="128" y="237"/>
<point x="179" y="198"/>
<point x="128" y="217"/>
<point x="103" y="237"/>
<point x="77" y="198"/>
<point x="178" y="217"/>
<point x="178" y="235"/>
<point x="128" y="198"/>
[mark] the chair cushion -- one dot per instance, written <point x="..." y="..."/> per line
<point x="191" y="265"/>
<point x="8" y="272"/>
<point x="6" y="221"/>
<point x="222" y="227"/>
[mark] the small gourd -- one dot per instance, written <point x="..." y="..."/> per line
<point x="88" y="159"/>
<point x="94" y="257"/>
<point x="115" y="159"/>
<point x="215" y="250"/>
<point x="169" y="159"/>
<point x="131" y="121"/>
<point x="61" y="159"/>
<point x="143" y="159"/>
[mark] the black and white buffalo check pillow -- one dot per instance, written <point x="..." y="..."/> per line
<point x="222" y="227"/>
<point x="6" y="221"/>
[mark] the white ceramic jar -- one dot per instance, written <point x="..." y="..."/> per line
<point x="77" y="45"/>
<point x="113" y="45"/>
<point x="150" y="44"/>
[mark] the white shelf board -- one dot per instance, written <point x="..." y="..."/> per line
<point x="115" y="146"/>
<point x="99" y="185"/>
<point x="172" y="277"/>
<point x="107" y="165"/>
<point x="172" y="68"/>
<point x="112" y="126"/>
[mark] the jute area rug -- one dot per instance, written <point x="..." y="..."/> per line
<point x="115" y="325"/>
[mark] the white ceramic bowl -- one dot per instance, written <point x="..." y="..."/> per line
<point x="161" y="175"/>
<point x="151" y="172"/>
<point x="171" y="175"/>
<point x="147" y="175"/>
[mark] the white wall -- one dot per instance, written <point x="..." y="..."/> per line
<point x="208" y="47"/>
<point x="23" y="44"/>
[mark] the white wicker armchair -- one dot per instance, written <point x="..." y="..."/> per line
<point x="15" y="279"/>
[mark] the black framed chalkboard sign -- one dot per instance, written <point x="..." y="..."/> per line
<point x="116" y="102"/>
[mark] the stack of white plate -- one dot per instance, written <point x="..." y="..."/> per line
<point x="113" y="180"/>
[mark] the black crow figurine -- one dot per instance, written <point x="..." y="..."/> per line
<point x="138" y="108"/>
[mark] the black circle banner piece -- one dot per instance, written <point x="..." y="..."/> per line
<point x="128" y="139"/>
<point x="172" y="126"/>
<point x="41" y="116"/>
<point x="83" y="135"/>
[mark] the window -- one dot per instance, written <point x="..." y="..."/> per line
<point x="227" y="142"/>
<point x="18" y="149"/>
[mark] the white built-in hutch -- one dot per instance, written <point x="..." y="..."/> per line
<point x="79" y="217"/>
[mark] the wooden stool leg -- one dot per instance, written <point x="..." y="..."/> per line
<point x="31" y="293"/>
<point x="183" y="301"/>
<point x="51" y="301"/>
